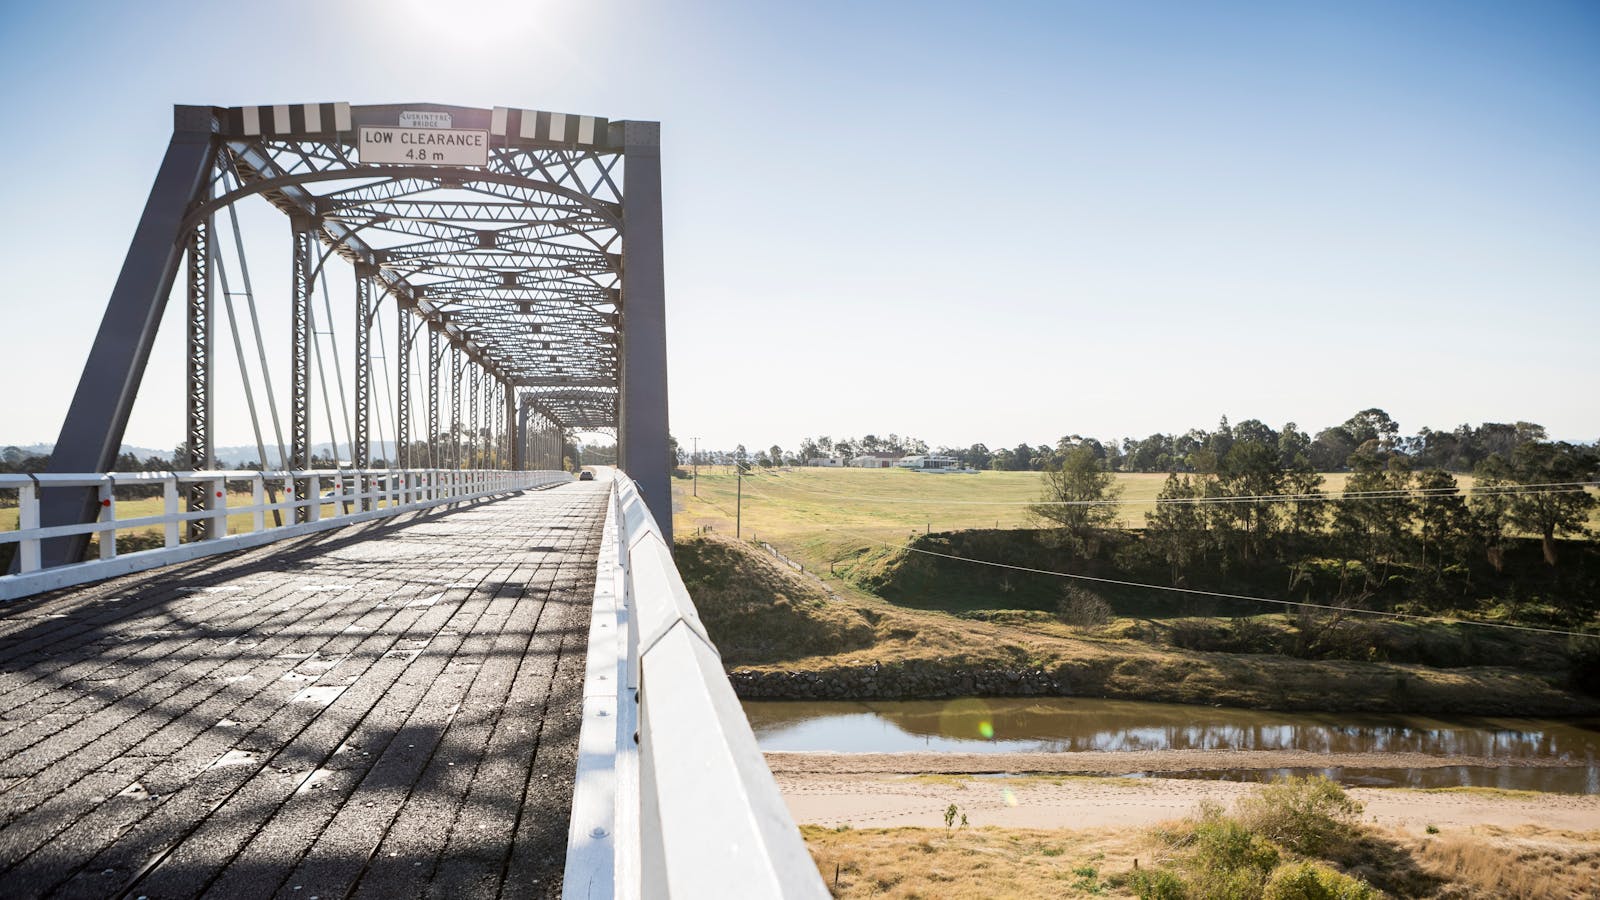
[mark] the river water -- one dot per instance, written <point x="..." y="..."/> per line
<point x="1569" y="748"/>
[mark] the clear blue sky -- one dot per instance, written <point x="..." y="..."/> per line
<point x="967" y="222"/>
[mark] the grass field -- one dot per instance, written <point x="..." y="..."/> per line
<point x="811" y="511"/>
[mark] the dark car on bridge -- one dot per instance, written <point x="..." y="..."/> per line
<point x="586" y="475"/>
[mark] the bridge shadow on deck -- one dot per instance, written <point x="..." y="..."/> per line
<point x="385" y="710"/>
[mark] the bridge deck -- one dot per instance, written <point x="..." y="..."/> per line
<point x="387" y="710"/>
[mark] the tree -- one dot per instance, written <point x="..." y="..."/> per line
<point x="1491" y="508"/>
<point x="674" y="456"/>
<point x="1443" y="522"/>
<point x="775" y="453"/>
<point x="1177" y="526"/>
<point x="1309" y="509"/>
<point x="1554" y="511"/>
<point x="1374" y="516"/>
<point x="1248" y="473"/>
<point x="1331" y="450"/>
<point x="977" y="457"/>
<point x="1372" y="425"/>
<point x="1079" y="496"/>
<point x="1021" y="458"/>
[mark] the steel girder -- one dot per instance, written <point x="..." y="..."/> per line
<point x="197" y="437"/>
<point x="402" y="412"/>
<point x="517" y="266"/>
<point x="300" y="360"/>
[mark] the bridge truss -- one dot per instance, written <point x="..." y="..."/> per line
<point x="530" y="285"/>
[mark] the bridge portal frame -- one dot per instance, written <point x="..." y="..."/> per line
<point x="280" y="152"/>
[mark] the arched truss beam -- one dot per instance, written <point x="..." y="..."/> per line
<point x="277" y="182"/>
<point x="288" y="191"/>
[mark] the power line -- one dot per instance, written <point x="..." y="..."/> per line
<point x="1554" y="487"/>
<point x="1214" y="594"/>
<point x="1223" y="596"/>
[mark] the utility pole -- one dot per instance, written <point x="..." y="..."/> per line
<point x="694" y="460"/>
<point x="738" y="502"/>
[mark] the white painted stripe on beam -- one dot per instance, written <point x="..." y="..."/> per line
<point x="558" y="126"/>
<point x="252" y="120"/>
<point x="497" y="125"/>
<point x="341" y="116"/>
<point x="586" y="129"/>
<point x="280" y="118"/>
<point x="313" y="117"/>
<point x="530" y="124"/>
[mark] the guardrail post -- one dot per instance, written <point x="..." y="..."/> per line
<point x="108" y="513"/>
<point x="219" y="518"/>
<point x="314" y="485"/>
<point x="169" y="509"/>
<point x="28" y="556"/>
<point x="258" y="499"/>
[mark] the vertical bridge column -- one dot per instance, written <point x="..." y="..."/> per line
<point x="197" y="436"/>
<point x="402" y="412"/>
<point x="642" y="431"/>
<point x="434" y="359"/>
<point x="455" y="407"/>
<point x="362" y="451"/>
<point x="517" y="430"/>
<point x="300" y="363"/>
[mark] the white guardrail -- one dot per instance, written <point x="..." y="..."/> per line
<point x="673" y="797"/>
<point x="355" y="495"/>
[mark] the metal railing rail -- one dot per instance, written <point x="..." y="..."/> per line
<point x="673" y="797"/>
<point x="357" y="495"/>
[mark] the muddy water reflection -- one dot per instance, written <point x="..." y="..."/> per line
<point x="1074" y="725"/>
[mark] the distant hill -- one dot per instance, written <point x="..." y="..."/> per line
<point x="235" y="456"/>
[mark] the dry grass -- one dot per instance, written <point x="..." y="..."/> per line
<point x="1526" y="862"/>
<point x="990" y="863"/>
<point x="795" y="507"/>
<point x="972" y="864"/>
<point x="759" y="611"/>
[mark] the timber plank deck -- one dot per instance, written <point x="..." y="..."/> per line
<point x="385" y="710"/>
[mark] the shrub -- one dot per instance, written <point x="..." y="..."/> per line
<point x="1083" y="608"/>
<point x="1306" y="815"/>
<point x="1309" y="881"/>
<point x="1228" y="861"/>
<point x="1157" y="884"/>
<point x="1583" y="672"/>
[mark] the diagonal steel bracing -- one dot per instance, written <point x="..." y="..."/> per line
<point x="536" y="274"/>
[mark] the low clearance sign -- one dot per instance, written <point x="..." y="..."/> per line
<point x="427" y="146"/>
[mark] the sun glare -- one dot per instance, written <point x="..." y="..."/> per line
<point x="467" y="25"/>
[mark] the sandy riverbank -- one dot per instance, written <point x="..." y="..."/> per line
<point x="1063" y="790"/>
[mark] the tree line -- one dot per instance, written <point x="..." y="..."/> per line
<point x="1254" y="496"/>
<point x="1459" y="450"/>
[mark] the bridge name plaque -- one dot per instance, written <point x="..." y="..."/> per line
<point x="428" y="146"/>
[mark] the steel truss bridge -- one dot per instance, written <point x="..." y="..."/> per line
<point x="226" y="696"/>
<point x="531" y="285"/>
